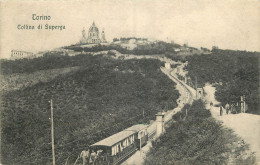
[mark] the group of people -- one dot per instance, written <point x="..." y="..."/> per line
<point x="91" y="158"/>
<point x="233" y="108"/>
<point x="227" y="108"/>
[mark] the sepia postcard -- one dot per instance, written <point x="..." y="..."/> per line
<point x="131" y="82"/>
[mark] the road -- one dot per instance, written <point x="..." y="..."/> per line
<point x="245" y="125"/>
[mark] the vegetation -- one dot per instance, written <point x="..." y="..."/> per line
<point x="146" y="49"/>
<point x="175" y="57"/>
<point x="22" y="80"/>
<point x="235" y="73"/>
<point x="48" y="61"/>
<point x="124" y="39"/>
<point x="196" y="138"/>
<point x="154" y="48"/>
<point x="101" y="98"/>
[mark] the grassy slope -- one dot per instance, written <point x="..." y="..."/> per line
<point x="198" y="139"/>
<point x="99" y="95"/>
<point x="22" y="80"/>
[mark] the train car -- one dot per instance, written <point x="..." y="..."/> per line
<point x="118" y="147"/>
<point x="142" y="136"/>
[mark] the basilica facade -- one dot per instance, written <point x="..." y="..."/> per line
<point x="93" y="36"/>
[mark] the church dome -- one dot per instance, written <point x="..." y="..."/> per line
<point x="93" y="28"/>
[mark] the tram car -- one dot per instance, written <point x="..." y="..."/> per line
<point x="118" y="147"/>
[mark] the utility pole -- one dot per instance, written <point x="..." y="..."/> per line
<point x="244" y="97"/>
<point x="52" y="134"/>
<point x="243" y="104"/>
<point x="141" y="143"/>
<point x="196" y="85"/>
<point x="196" y="82"/>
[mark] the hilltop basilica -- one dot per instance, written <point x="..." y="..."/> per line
<point x="93" y="36"/>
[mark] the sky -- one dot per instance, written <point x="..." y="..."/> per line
<point x="228" y="24"/>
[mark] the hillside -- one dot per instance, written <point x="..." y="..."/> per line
<point x="197" y="138"/>
<point x="103" y="97"/>
<point x="159" y="47"/>
<point x="16" y="81"/>
<point x="48" y="61"/>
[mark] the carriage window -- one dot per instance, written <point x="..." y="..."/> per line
<point x="113" y="150"/>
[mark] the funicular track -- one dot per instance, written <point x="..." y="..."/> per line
<point x="186" y="97"/>
<point x="184" y="89"/>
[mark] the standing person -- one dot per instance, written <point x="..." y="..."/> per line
<point x="227" y="107"/>
<point x="84" y="155"/>
<point x="237" y="108"/>
<point x="232" y="108"/>
<point x="221" y="110"/>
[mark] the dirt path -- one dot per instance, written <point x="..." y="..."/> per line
<point x="244" y="125"/>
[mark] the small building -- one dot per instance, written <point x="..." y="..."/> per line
<point x="159" y="124"/>
<point x="167" y="65"/>
<point x="199" y="93"/>
<point x="17" y="54"/>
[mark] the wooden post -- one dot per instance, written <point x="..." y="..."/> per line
<point x="196" y="86"/>
<point x="52" y="135"/>
<point x="244" y="103"/>
<point x="140" y="143"/>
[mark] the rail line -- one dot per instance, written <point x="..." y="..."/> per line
<point x="188" y="92"/>
<point x="189" y="95"/>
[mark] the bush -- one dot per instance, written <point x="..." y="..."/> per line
<point x="111" y="53"/>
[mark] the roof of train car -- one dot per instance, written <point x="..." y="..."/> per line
<point x="113" y="139"/>
<point x="137" y="127"/>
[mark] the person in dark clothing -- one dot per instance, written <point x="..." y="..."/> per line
<point x="221" y="110"/>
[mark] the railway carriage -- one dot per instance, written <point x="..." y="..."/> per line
<point x="118" y="147"/>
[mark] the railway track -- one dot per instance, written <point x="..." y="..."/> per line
<point x="187" y="97"/>
<point x="187" y="93"/>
